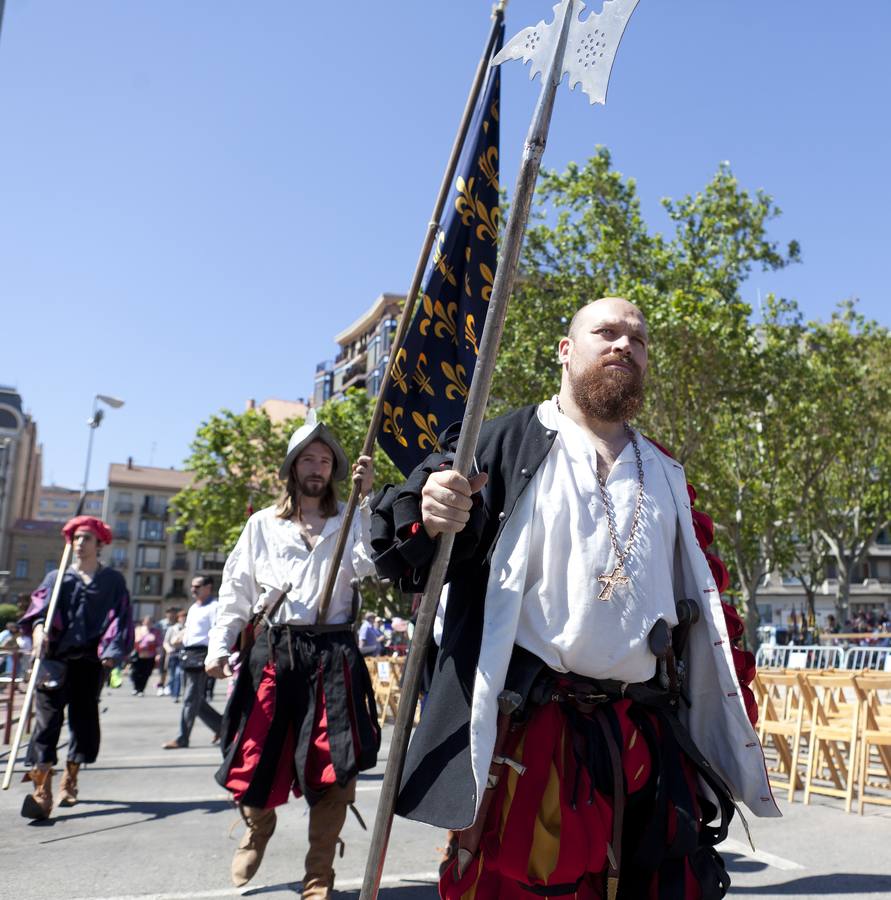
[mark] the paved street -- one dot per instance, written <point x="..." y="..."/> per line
<point x="155" y="824"/>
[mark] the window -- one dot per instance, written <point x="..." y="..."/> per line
<point x="61" y="504"/>
<point x="884" y="537"/>
<point x="21" y="568"/>
<point x="149" y="557"/>
<point x="178" y="589"/>
<point x="148" y="585"/>
<point x="49" y="565"/>
<point x="118" y="557"/>
<point x="151" y="530"/>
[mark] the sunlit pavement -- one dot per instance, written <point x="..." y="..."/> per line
<point x="154" y="823"/>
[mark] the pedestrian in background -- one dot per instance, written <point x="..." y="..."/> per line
<point x="199" y="620"/>
<point x="173" y="645"/>
<point x="146" y="646"/>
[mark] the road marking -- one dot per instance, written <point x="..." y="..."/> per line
<point x="732" y="846"/>
<point x="348" y="884"/>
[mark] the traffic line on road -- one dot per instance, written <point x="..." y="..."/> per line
<point x="345" y="884"/>
<point x="769" y="859"/>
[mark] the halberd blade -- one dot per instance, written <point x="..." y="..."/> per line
<point x="590" y="48"/>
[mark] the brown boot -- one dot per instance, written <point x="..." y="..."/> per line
<point x="68" y="784"/>
<point x="39" y="804"/>
<point x="260" y="826"/>
<point x="326" y="818"/>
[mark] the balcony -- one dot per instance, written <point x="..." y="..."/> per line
<point x="180" y="564"/>
<point x="124" y="507"/>
<point x="121" y="533"/>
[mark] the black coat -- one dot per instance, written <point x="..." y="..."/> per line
<point x="438" y="785"/>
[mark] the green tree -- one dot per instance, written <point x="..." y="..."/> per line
<point x="850" y="369"/>
<point x="235" y="459"/>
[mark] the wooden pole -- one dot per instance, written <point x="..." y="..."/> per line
<point x="477" y="401"/>
<point x="35" y="670"/>
<point x="411" y="300"/>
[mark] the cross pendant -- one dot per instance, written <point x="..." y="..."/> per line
<point x="610" y="580"/>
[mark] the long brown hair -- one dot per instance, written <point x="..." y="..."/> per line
<point x="288" y="504"/>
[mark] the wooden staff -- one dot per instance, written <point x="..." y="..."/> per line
<point x="477" y="400"/>
<point x="35" y="670"/>
<point x="411" y="300"/>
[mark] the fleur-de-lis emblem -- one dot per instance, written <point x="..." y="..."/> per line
<point x="457" y="386"/>
<point x="465" y="204"/>
<point x="489" y="278"/>
<point x="489" y="219"/>
<point x="427" y="305"/>
<point x="427" y="427"/>
<point x="470" y="333"/>
<point x="488" y="164"/>
<point x="446" y="324"/>
<point x="421" y="378"/>
<point x="493" y="110"/>
<point x="398" y="374"/>
<point x="441" y="262"/>
<point x="392" y="419"/>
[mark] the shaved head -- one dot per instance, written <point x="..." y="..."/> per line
<point x="607" y="306"/>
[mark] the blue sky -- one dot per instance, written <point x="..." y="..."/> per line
<point x="195" y="197"/>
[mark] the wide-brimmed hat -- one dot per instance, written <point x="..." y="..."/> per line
<point x="313" y="430"/>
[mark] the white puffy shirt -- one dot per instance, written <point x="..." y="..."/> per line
<point x="561" y="620"/>
<point x="271" y="553"/>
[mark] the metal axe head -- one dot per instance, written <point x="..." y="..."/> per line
<point x="590" y="47"/>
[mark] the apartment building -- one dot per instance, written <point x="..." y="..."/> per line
<point x="35" y="549"/>
<point x="364" y="352"/>
<point x="781" y="597"/>
<point x="59" y="504"/>
<point x="20" y="467"/>
<point x="151" y="556"/>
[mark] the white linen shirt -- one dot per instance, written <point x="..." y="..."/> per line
<point x="562" y="621"/>
<point x="271" y="553"/>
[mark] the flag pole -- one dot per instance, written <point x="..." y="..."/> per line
<point x="411" y="298"/>
<point x="477" y="401"/>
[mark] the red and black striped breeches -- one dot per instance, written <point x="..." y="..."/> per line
<point x="302" y="717"/>
<point x="549" y="830"/>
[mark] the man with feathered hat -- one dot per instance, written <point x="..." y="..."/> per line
<point x="302" y="717"/>
<point x="92" y="630"/>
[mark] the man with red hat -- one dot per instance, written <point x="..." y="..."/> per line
<point x="92" y="630"/>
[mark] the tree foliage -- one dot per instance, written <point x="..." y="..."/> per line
<point x="235" y="460"/>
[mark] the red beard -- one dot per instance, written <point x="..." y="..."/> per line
<point x="608" y="394"/>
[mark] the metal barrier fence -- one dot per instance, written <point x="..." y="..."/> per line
<point x="795" y="656"/>
<point x="13" y="673"/>
<point x="868" y="658"/>
<point x="800" y="656"/>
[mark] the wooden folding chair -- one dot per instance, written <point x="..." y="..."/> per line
<point x="875" y="733"/>
<point x="784" y="717"/>
<point x="835" y="721"/>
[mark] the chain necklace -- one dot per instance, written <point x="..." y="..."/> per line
<point x="617" y="577"/>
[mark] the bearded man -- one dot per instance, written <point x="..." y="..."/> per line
<point x="302" y="718"/>
<point x="92" y="630"/>
<point x="581" y="734"/>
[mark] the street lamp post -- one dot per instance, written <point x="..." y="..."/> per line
<point x="93" y="422"/>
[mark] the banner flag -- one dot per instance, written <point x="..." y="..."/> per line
<point x="434" y="366"/>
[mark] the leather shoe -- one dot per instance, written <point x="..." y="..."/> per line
<point x="173" y="745"/>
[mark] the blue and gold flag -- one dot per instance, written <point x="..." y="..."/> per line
<point x="432" y="370"/>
